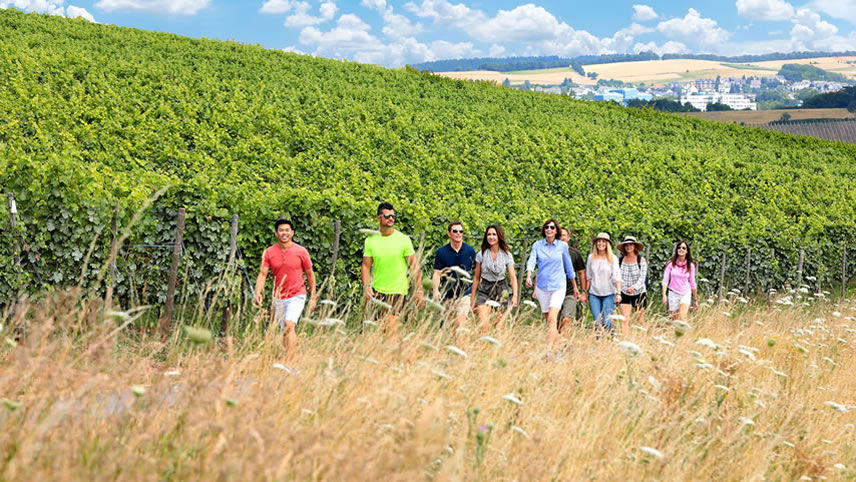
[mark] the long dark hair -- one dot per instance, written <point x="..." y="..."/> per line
<point x="500" y="239"/>
<point x="556" y="223"/>
<point x="674" y="260"/>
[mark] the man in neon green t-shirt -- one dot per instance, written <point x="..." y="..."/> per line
<point x="388" y="257"/>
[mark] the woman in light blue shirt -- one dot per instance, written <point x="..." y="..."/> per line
<point x="553" y="261"/>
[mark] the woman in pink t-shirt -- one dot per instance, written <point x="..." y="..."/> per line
<point x="679" y="284"/>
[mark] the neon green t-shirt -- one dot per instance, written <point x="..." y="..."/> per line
<point x="389" y="263"/>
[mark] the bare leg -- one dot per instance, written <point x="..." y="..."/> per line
<point x="564" y="324"/>
<point x="683" y="311"/>
<point x="484" y="318"/>
<point x="552" y="330"/>
<point x="289" y="341"/>
<point x="391" y="325"/>
<point x="626" y="311"/>
<point x="640" y="316"/>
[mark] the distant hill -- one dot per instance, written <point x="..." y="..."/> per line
<point x="800" y="72"/>
<point x="508" y="64"/>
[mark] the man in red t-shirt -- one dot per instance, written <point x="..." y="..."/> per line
<point x="289" y="262"/>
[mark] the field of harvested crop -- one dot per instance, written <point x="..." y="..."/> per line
<point x="657" y="71"/>
<point x="769" y="389"/>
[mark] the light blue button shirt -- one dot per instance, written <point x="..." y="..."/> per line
<point x="554" y="264"/>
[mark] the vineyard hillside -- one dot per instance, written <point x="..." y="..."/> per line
<point x="94" y="114"/>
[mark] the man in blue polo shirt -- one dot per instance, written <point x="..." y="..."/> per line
<point x="456" y="287"/>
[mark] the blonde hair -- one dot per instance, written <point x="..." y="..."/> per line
<point x="609" y="255"/>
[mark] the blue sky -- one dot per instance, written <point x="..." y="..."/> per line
<point x="394" y="33"/>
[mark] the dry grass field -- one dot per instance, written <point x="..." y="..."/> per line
<point x="763" y="392"/>
<point x="656" y="71"/>
<point x="767" y="116"/>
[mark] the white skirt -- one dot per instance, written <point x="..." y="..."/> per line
<point x="550" y="299"/>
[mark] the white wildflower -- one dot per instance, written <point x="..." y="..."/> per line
<point x="654" y="383"/>
<point x="327" y="303"/>
<point x="456" y="350"/>
<point x="652" y="452"/>
<point x="630" y="349"/>
<point x="435" y="305"/>
<point x="370" y="323"/>
<point x="429" y="346"/>
<point x="460" y="271"/>
<point x="746" y="421"/>
<point x="492" y="304"/>
<point x="440" y="374"/>
<point x="381" y="304"/>
<point x="369" y="232"/>
<point x="172" y="373"/>
<point x="829" y="360"/>
<point x="368" y="360"/>
<point x="706" y="342"/>
<point x="640" y="328"/>
<point x="837" y="406"/>
<point x="490" y="339"/>
<point x="511" y="397"/>
<point x="704" y="366"/>
<point x="726" y="314"/>
<point x="840" y="466"/>
<point x="722" y="387"/>
<point x="664" y="341"/>
<point x="530" y="303"/>
<point x="616" y="317"/>
<point x="282" y="367"/>
<point x="138" y="390"/>
<point x="748" y="354"/>
<point x="519" y="430"/>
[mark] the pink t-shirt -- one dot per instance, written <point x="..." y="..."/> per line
<point x="678" y="279"/>
<point x="288" y="266"/>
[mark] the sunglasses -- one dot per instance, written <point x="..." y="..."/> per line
<point x="682" y="247"/>
<point x="458" y="231"/>
<point x="388" y="216"/>
<point x="550" y="227"/>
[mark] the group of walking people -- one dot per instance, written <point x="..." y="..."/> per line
<point x="466" y="280"/>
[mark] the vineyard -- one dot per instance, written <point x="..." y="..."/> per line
<point x="833" y="130"/>
<point x="94" y="116"/>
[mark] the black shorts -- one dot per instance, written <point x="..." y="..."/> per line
<point x="637" y="301"/>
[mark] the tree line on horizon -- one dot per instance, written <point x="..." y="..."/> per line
<point x="507" y="64"/>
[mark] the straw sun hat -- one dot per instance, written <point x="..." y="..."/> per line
<point x="603" y="236"/>
<point x="630" y="240"/>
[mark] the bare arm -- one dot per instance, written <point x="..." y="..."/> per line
<point x="416" y="276"/>
<point x="260" y="283"/>
<point x="313" y="295"/>
<point x="514" y="289"/>
<point x="476" y="280"/>
<point x="435" y="282"/>
<point x="366" y="277"/>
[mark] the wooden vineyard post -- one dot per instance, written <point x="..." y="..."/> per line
<point x="843" y="270"/>
<point x="521" y="275"/>
<point x="337" y="234"/>
<point x="111" y="263"/>
<point x="748" y="267"/>
<point x="13" y="224"/>
<point x="800" y="269"/>
<point x="721" y="276"/>
<point x="230" y="271"/>
<point x="166" y="320"/>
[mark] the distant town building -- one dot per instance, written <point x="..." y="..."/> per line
<point x="755" y="83"/>
<point x="609" y="97"/>
<point x="705" y="84"/>
<point x="699" y="100"/>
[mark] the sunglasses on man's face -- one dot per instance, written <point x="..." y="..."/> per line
<point x="388" y="216"/>
<point x="458" y="231"/>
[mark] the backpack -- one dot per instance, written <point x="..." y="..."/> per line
<point x="638" y="265"/>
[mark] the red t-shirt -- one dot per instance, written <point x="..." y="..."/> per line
<point x="288" y="266"/>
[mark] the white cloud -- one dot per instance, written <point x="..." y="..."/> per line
<point x="51" y="7"/>
<point x="395" y="25"/>
<point x="441" y="11"/>
<point x="526" y="23"/>
<point x="351" y="38"/>
<point x="496" y="50"/>
<point x="765" y="9"/>
<point x="170" y="7"/>
<point x="810" y="31"/>
<point x="694" y="28"/>
<point x="841" y="9"/>
<point x="670" y="47"/>
<point x="302" y="18"/>
<point x="75" y="12"/>
<point x="293" y="49"/>
<point x="277" y="6"/>
<point x="643" y="13"/>
<point x="441" y="49"/>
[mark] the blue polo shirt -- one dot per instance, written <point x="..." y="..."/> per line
<point x="464" y="258"/>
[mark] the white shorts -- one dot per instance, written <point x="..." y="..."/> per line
<point x="677" y="299"/>
<point x="461" y="306"/>
<point x="550" y="299"/>
<point x="289" y="309"/>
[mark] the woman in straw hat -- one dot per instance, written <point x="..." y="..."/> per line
<point x="604" y="280"/>
<point x="634" y="273"/>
